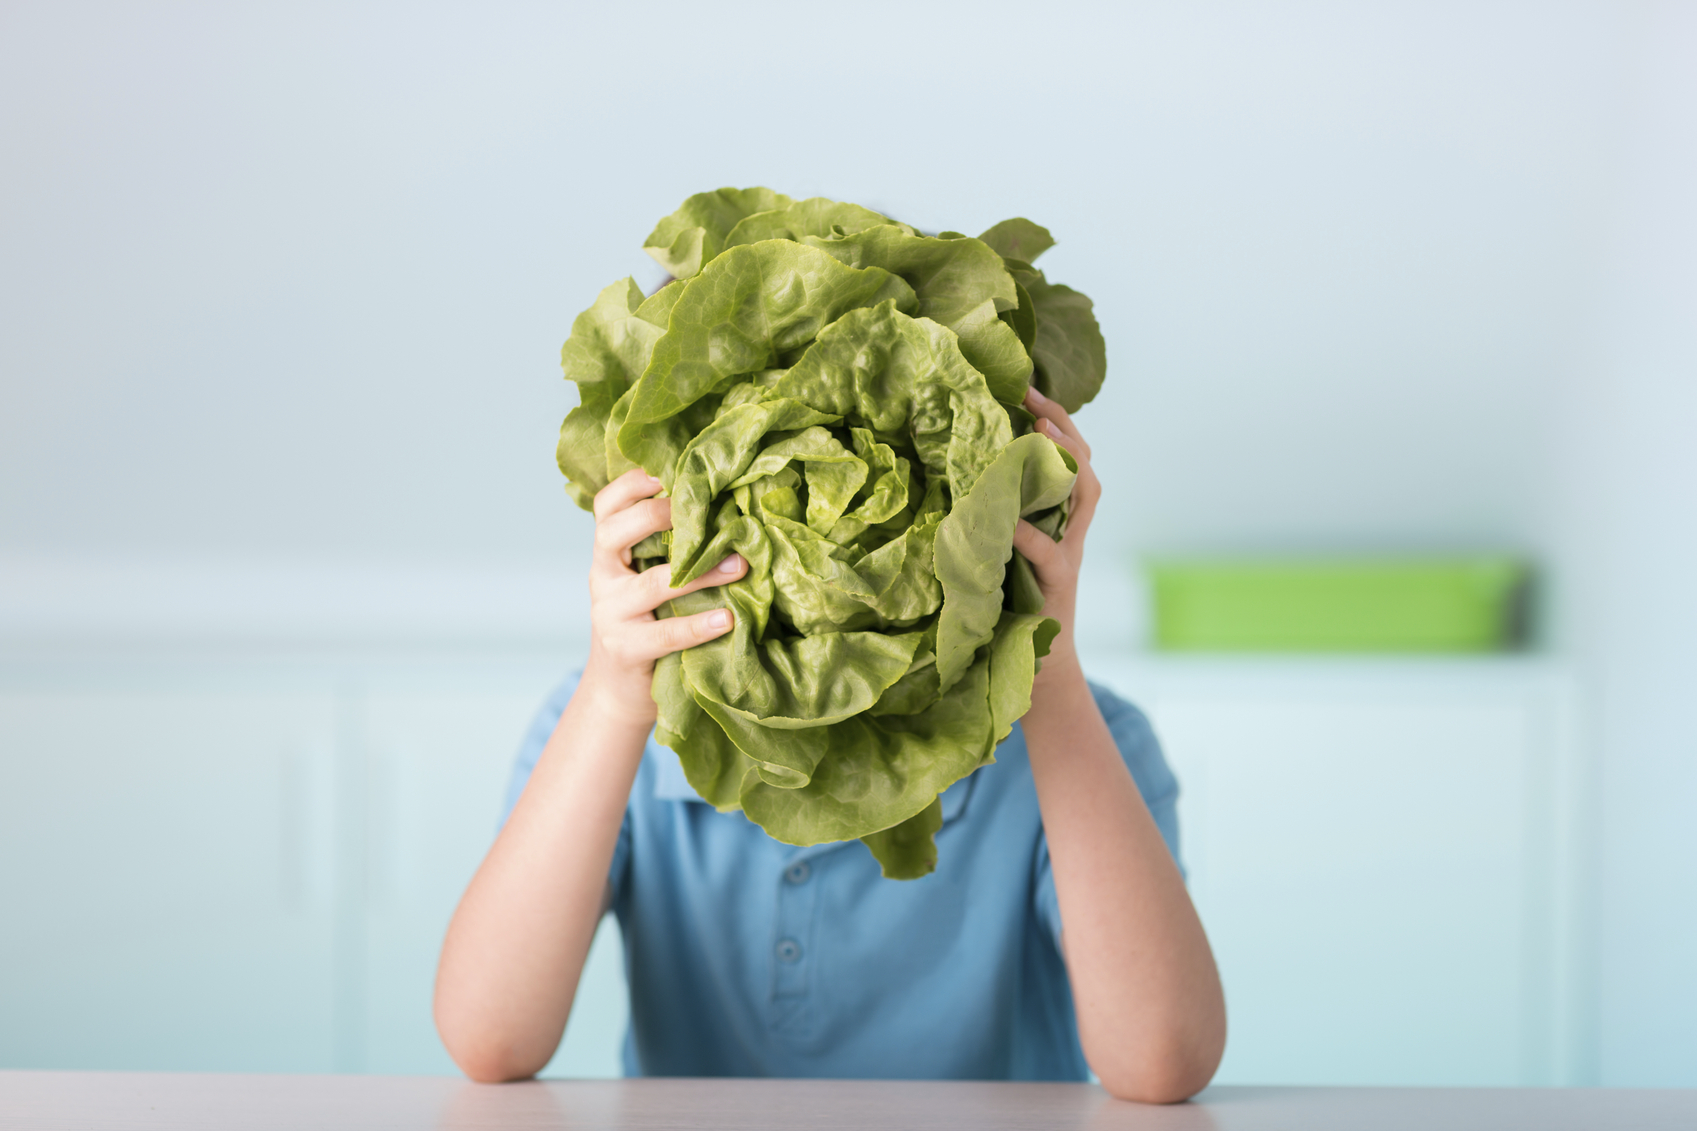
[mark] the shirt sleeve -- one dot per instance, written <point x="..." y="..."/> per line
<point x="1141" y="751"/>
<point x="530" y="749"/>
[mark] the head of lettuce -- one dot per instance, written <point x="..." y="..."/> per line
<point x="837" y="398"/>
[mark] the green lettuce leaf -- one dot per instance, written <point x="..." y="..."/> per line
<point x="975" y="543"/>
<point x="747" y="311"/>
<point x="1071" y="357"/>
<point x="696" y="232"/>
<point x="815" y="217"/>
<point x="1056" y="324"/>
<point x="960" y="283"/>
<point x="607" y="352"/>
<point x="1019" y="239"/>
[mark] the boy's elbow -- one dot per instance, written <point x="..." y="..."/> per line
<point x="1154" y="1087"/>
<point x="1168" y="1075"/>
<point x="493" y="1072"/>
<point x="492" y="1065"/>
<point x="485" y="1057"/>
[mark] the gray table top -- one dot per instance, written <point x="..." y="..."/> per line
<point x="141" y="1101"/>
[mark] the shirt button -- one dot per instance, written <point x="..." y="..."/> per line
<point x="789" y="951"/>
<point x="798" y="872"/>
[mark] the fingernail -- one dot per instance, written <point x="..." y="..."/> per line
<point x="720" y="619"/>
<point x="1036" y="397"/>
<point x="1050" y="427"/>
<point x="654" y="480"/>
<point x="731" y="564"/>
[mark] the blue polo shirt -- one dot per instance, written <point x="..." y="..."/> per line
<point x="749" y="957"/>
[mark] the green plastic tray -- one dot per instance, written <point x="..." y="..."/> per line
<point x="1372" y="605"/>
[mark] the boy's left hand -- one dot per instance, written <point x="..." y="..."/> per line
<point x="1056" y="562"/>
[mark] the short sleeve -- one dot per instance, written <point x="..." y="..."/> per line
<point x="1141" y="751"/>
<point x="530" y="749"/>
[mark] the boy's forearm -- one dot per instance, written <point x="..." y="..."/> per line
<point x="1150" y="1012"/>
<point x="517" y="943"/>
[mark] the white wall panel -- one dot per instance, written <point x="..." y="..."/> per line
<point x="1370" y="853"/>
<point x="439" y="758"/>
<point x="167" y="887"/>
<point x="210" y="876"/>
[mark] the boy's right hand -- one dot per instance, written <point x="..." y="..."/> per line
<point x="625" y="636"/>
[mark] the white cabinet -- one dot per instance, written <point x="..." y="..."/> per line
<point x="166" y="884"/>
<point x="200" y="874"/>
<point x="200" y="869"/>
<point x="1371" y="848"/>
<point x="439" y="753"/>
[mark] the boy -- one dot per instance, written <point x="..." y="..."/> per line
<point x="750" y="957"/>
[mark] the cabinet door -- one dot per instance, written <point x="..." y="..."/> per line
<point x="1368" y="872"/>
<point x="439" y="760"/>
<point x="166" y="877"/>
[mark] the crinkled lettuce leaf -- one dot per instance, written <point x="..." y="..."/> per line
<point x="1071" y="357"/>
<point x="1056" y="324"/>
<point x="836" y="397"/>
<point x="1018" y="238"/>
<point x="696" y="232"/>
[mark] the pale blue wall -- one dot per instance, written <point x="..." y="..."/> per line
<point x="291" y="285"/>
